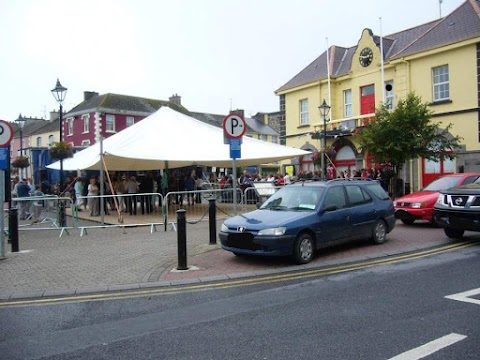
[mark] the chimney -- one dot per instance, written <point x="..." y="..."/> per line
<point x="176" y="99"/>
<point x="239" y="112"/>
<point x="89" y="94"/>
<point x="54" y="115"/>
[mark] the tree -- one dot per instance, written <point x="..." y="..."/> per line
<point x="406" y="133"/>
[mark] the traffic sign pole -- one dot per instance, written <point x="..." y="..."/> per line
<point x="6" y="135"/>
<point x="234" y="127"/>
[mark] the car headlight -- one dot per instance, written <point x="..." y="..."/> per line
<point x="417" y="205"/>
<point x="273" y="231"/>
<point x="394" y="203"/>
<point x="224" y="228"/>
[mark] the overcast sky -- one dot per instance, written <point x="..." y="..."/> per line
<point x="214" y="53"/>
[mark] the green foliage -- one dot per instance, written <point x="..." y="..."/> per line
<point x="21" y="162"/>
<point x="406" y="133"/>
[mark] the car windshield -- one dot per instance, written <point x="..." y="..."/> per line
<point x="294" y="198"/>
<point x="443" y="183"/>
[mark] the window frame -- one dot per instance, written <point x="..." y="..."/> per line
<point x="110" y="120"/>
<point x="129" y="119"/>
<point x="440" y="87"/>
<point x="389" y="95"/>
<point x="69" y="127"/>
<point x="303" y="111"/>
<point x="86" y="123"/>
<point x="347" y="106"/>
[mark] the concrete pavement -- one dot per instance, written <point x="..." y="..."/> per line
<point x="112" y="259"/>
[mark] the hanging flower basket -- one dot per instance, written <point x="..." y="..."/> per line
<point x="21" y="162"/>
<point x="60" y="150"/>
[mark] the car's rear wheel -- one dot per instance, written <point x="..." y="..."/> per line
<point x="453" y="233"/>
<point x="304" y="249"/>
<point x="408" y="221"/>
<point x="379" y="232"/>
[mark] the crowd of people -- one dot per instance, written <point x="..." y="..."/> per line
<point x="125" y="192"/>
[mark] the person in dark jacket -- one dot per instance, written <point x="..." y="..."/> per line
<point x="23" y="191"/>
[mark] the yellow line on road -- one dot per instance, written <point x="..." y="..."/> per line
<point x="294" y="275"/>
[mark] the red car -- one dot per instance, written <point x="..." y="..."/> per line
<point x="419" y="205"/>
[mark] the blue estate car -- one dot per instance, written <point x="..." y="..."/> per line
<point x="302" y="217"/>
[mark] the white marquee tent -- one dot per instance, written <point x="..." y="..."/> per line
<point x="169" y="139"/>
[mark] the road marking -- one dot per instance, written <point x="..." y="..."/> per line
<point x="294" y="275"/>
<point x="466" y="296"/>
<point x="429" y="348"/>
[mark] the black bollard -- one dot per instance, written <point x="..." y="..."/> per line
<point x="182" y="240"/>
<point x="13" y="228"/>
<point x="62" y="218"/>
<point x="212" y="221"/>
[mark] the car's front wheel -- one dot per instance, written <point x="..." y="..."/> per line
<point x="379" y="232"/>
<point x="453" y="233"/>
<point x="304" y="249"/>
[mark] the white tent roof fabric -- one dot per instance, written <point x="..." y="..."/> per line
<point x="169" y="139"/>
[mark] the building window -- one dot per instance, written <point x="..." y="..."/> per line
<point x="86" y="123"/>
<point x="275" y="139"/>
<point x="441" y="85"/>
<point x="130" y="121"/>
<point x="347" y="125"/>
<point x="367" y="100"/>
<point x="264" y="137"/>
<point x="39" y="141"/>
<point x="70" y="126"/>
<point x="85" y="142"/>
<point x="304" y="112"/>
<point x="347" y="101"/>
<point x="51" y="140"/>
<point x="389" y="94"/>
<point x="110" y="123"/>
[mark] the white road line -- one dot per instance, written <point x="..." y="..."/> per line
<point x="466" y="296"/>
<point x="429" y="348"/>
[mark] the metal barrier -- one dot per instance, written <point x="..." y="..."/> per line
<point x="198" y="208"/>
<point x="128" y="204"/>
<point x="46" y="210"/>
<point x="42" y="210"/>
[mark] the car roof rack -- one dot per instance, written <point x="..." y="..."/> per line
<point x="351" y="179"/>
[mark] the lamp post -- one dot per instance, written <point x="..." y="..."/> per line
<point x="21" y="124"/>
<point x="59" y="93"/>
<point x="324" y="110"/>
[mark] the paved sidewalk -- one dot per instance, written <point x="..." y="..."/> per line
<point x="115" y="259"/>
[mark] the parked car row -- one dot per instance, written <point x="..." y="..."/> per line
<point x="419" y="205"/>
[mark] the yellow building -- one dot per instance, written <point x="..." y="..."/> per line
<point x="439" y="61"/>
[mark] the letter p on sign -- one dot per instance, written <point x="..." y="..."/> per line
<point x="234" y="126"/>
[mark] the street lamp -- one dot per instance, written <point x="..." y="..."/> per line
<point x="21" y="124"/>
<point x="59" y="93"/>
<point x="324" y="110"/>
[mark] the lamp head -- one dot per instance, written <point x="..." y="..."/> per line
<point x="21" y="121"/>
<point x="59" y="92"/>
<point x="324" y="109"/>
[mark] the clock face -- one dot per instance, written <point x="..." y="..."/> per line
<point x="366" y="57"/>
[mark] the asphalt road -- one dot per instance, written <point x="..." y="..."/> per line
<point x="375" y="313"/>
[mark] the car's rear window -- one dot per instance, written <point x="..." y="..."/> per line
<point x="378" y="191"/>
